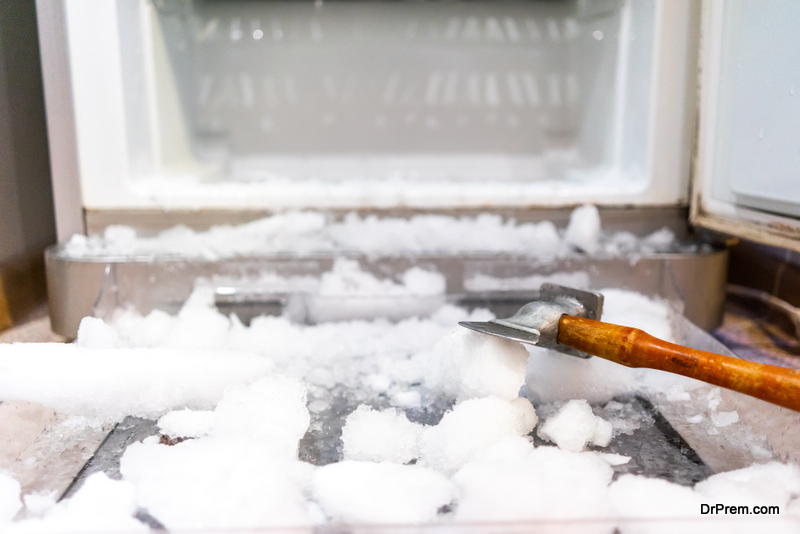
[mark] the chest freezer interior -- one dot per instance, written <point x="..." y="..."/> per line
<point x="204" y="104"/>
<point x="333" y="389"/>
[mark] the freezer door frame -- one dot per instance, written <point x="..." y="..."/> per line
<point x="706" y="211"/>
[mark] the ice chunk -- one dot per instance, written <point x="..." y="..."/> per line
<point x="271" y="410"/>
<point x="721" y="419"/>
<point x="386" y="436"/>
<point x="583" y="231"/>
<point x="546" y="483"/>
<point x="419" y="282"/>
<point x="614" y="459"/>
<point x="80" y="246"/>
<point x="467" y="364"/>
<point x="10" y="502"/>
<point x="378" y="383"/>
<point x="556" y="377"/>
<point x="623" y="242"/>
<point x="510" y="448"/>
<point x="553" y="377"/>
<point x="383" y="356"/>
<point x="121" y="238"/>
<point x="769" y="484"/>
<point x="217" y="483"/>
<point x="96" y="334"/>
<point x="200" y="326"/>
<point x="100" y="505"/>
<point x="187" y="423"/>
<point x="343" y="290"/>
<point x="101" y="496"/>
<point x="111" y="384"/>
<point x="659" y="241"/>
<point x="574" y="426"/>
<point x="714" y="398"/>
<point x="346" y="278"/>
<point x="149" y="331"/>
<point x="367" y="492"/>
<point x="602" y="432"/>
<point x="677" y="394"/>
<point x="407" y="399"/>
<point x="37" y="504"/>
<point x="625" y="418"/>
<point x="471" y="427"/>
<point x="637" y="496"/>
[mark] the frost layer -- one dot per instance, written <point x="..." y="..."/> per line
<point x="305" y="232"/>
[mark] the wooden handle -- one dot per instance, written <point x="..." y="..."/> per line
<point x="634" y="348"/>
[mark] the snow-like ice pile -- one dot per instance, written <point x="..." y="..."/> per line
<point x="472" y="427"/>
<point x="583" y="231"/>
<point x="368" y="492"/>
<point x="551" y="377"/>
<point x="470" y="365"/>
<point x="101" y="505"/>
<point x="105" y="385"/>
<point x="346" y="278"/>
<point x="574" y="426"/>
<point x="304" y="232"/>
<point x="240" y="402"/>
<point x="10" y="502"/>
<point x="242" y="473"/>
<point x="349" y="292"/>
<point x="515" y="481"/>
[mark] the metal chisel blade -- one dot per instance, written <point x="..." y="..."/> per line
<point x="495" y="329"/>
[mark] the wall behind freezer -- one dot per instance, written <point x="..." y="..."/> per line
<point x="27" y="225"/>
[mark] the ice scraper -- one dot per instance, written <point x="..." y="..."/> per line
<point x="567" y="320"/>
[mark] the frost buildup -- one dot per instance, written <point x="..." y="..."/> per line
<point x="306" y="232"/>
<point x="583" y="231"/>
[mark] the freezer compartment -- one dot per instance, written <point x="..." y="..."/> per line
<point x="665" y="444"/>
<point x="197" y="105"/>
<point x="676" y="440"/>
<point x="373" y="89"/>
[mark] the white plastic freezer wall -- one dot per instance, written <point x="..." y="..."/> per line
<point x="748" y="167"/>
<point x="200" y="104"/>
